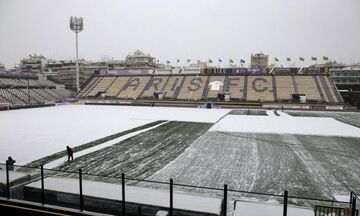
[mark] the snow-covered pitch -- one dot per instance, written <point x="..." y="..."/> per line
<point x="30" y="134"/>
<point x="313" y="156"/>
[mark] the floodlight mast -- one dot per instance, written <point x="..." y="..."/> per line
<point x="77" y="25"/>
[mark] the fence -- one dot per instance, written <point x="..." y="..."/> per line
<point x="14" y="188"/>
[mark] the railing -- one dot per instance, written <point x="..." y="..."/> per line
<point x="40" y="173"/>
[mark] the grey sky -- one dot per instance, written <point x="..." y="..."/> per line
<point x="172" y="29"/>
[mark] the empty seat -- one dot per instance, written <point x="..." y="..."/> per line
<point x="192" y="88"/>
<point x="284" y="87"/>
<point x="133" y="87"/>
<point x="307" y="85"/>
<point x="260" y="88"/>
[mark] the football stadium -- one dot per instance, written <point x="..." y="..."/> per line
<point x="243" y="108"/>
<point x="219" y="142"/>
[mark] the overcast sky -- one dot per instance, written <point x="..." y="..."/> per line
<point x="181" y="29"/>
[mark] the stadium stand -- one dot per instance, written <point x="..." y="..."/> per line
<point x="284" y="87"/>
<point x="329" y="89"/>
<point x="173" y="86"/>
<point x="114" y="89"/>
<point x="23" y="82"/>
<point x="2" y="98"/>
<point x="10" y="97"/>
<point x="155" y="84"/>
<point x="193" y="88"/>
<point x="64" y="93"/>
<point x="17" y="91"/>
<point x="260" y="89"/>
<point x="215" y="86"/>
<point x="235" y="85"/>
<point x="133" y="87"/>
<point x="10" y="82"/>
<point x="252" y="88"/>
<point x="307" y="85"/>
<point x="23" y="96"/>
<point x="89" y="86"/>
<point x="335" y="91"/>
<point x="102" y="85"/>
<point x="44" y="95"/>
<point x="52" y="93"/>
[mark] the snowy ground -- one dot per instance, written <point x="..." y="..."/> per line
<point x="12" y="176"/>
<point x="311" y="166"/>
<point x="133" y="194"/>
<point x="256" y="209"/>
<point x="30" y="134"/>
<point x="352" y="118"/>
<point x="257" y="151"/>
<point x="142" y="155"/>
<point x="58" y="162"/>
<point x="285" y="125"/>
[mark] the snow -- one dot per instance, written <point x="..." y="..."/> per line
<point x="251" y="153"/>
<point x="342" y="197"/>
<point x="12" y="176"/>
<point x="285" y="125"/>
<point x="267" y="209"/>
<point x="351" y="118"/>
<point x="283" y="114"/>
<point x="29" y="134"/>
<point x="270" y="113"/>
<point x="61" y="161"/>
<point x="133" y="194"/>
<point x="142" y="155"/>
<point x="306" y="166"/>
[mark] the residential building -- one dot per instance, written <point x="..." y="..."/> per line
<point x="259" y="60"/>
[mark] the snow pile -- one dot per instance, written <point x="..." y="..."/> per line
<point x="286" y="125"/>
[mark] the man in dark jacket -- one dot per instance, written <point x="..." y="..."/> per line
<point x="10" y="162"/>
<point x="69" y="153"/>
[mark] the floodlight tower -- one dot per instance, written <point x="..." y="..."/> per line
<point x="77" y="25"/>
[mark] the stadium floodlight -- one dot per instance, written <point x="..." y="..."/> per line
<point x="77" y="25"/>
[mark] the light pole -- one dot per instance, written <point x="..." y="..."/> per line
<point x="28" y="92"/>
<point x="77" y="25"/>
